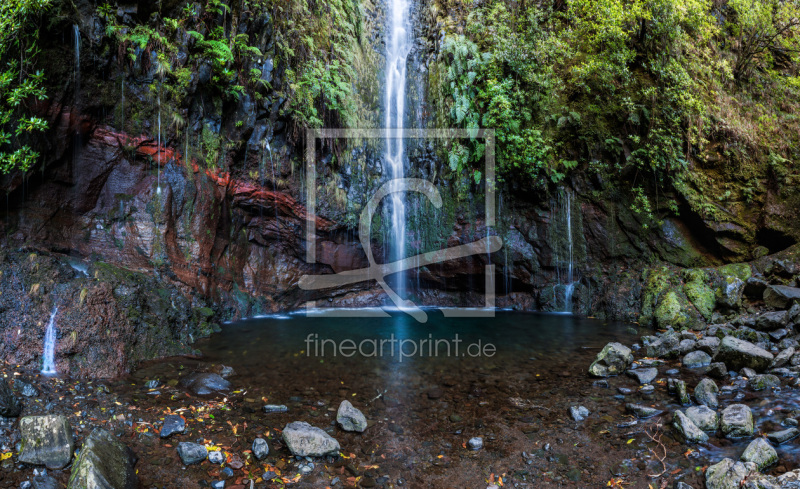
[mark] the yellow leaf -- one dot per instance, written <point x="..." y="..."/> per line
<point x="630" y="441"/>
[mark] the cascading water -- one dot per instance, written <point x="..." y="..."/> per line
<point x="49" y="349"/>
<point x="398" y="47"/>
<point x="568" y="280"/>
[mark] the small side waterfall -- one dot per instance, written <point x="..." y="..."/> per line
<point x="569" y="279"/>
<point x="398" y="47"/>
<point x="49" y="350"/>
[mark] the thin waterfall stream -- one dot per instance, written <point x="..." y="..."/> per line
<point x="398" y="47"/>
<point x="49" y="347"/>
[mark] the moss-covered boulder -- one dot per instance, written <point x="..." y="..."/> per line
<point x="104" y="463"/>
<point x="613" y="359"/>
<point x="697" y="290"/>
<point x="46" y="440"/>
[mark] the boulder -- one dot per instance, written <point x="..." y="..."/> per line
<point x="206" y="384"/>
<point x="678" y="387"/>
<point x="770" y="321"/>
<point x="703" y="417"/>
<point x="350" y="418"/>
<point x="46" y="440"/>
<point x="738" y="354"/>
<point x="781" y="296"/>
<point x="783" y="436"/>
<point x="304" y="440"/>
<point x="690" y="432"/>
<point x="729" y="293"/>
<point x="726" y="474"/>
<point x="736" y="421"/>
<point x="696" y="359"/>
<point x="761" y="453"/>
<point x="706" y="393"/>
<point x="643" y="375"/>
<point x="104" y="463"/>
<point x="717" y="370"/>
<point x="687" y="345"/>
<point x="10" y="405"/>
<point x="666" y="346"/>
<point x="783" y="358"/>
<point x="614" y="359"/>
<point x="764" y="381"/>
<point x="191" y="453"/>
<point x="709" y="344"/>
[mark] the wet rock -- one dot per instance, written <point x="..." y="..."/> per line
<point x="46" y="440"/>
<point x="737" y="354"/>
<point x="682" y="485"/>
<point x="706" y="393"/>
<point x="216" y="457"/>
<point x="754" y="288"/>
<point x="475" y="443"/>
<point x="305" y="440"/>
<point x="678" y="387"/>
<point x="672" y="371"/>
<point x="275" y="408"/>
<point x="703" y="417"/>
<point x="350" y="418"/>
<point x="781" y="296"/>
<point x="783" y="436"/>
<point x="205" y="384"/>
<point x="717" y="370"/>
<point x="761" y="453"/>
<point x="10" y="405"/>
<point x="578" y="413"/>
<point x="685" y="346"/>
<point x="727" y="474"/>
<point x="779" y="333"/>
<point x="613" y="359"/>
<point x="736" y="421"/>
<point x="709" y="344"/>
<point x="748" y="372"/>
<point x="27" y="390"/>
<point x="641" y="411"/>
<point x="690" y="432"/>
<point x="172" y="424"/>
<point x="771" y="321"/>
<point x="783" y="358"/>
<point x="643" y="375"/>
<point x="696" y="359"/>
<point x="218" y="485"/>
<point x="44" y="481"/>
<point x="666" y="346"/>
<point x="260" y="448"/>
<point x="191" y="453"/>
<point x="647" y="389"/>
<point x="764" y="381"/>
<point x="104" y="463"/>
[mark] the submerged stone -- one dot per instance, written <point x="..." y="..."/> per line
<point x="761" y="453"/>
<point x="613" y="359"/>
<point x="304" y="440"/>
<point x="690" y="432"/>
<point x="350" y="418"/>
<point x="191" y="453"/>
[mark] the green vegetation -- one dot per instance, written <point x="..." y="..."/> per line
<point x="20" y="82"/>
<point x="666" y="94"/>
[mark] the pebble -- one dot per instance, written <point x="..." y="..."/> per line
<point x="475" y="443"/>
<point x="275" y="408"/>
<point x="216" y="457"/>
<point x="672" y="371"/>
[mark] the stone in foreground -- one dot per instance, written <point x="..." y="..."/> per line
<point x="612" y="360"/>
<point x="736" y="421"/>
<point x="104" y="463"/>
<point x="705" y="418"/>
<point x="643" y="375"/>
<point x="738" y="354"/>
<point x="690" y="432"/>
<point x="764" y="381"/>
<point x="578" y="413"/>
<point x="172" y="424"/>
<point x="475" y="443"/>
<point x="783" y="436"/>
<point x="275" y="408"/>
<point x="761" y="453"/>
<point x="206" y="384"/>
<point x="46" y="440"/>
<point x="304" y="440"/>
<point x="191" y="453"/>
<point x="350" y="418"/>
<point x="726" y="475"/>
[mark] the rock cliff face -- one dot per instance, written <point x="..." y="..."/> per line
<point x="174" y="244"/>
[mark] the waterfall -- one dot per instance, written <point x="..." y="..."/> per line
<point x="76" y="139"/>
<point x="569" y="285"/>
<point x="398" y="47"/>
<point x="49" y="350"/>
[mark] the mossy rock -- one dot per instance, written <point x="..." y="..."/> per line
<point x="697" y="290"/>
<point x="656" y="282"/>
<point x="670" y="312"/>
<point x="742" y="271"/>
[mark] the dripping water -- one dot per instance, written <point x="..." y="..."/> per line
<point x="569" y="285"/>
<point x="49" y="349"/>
